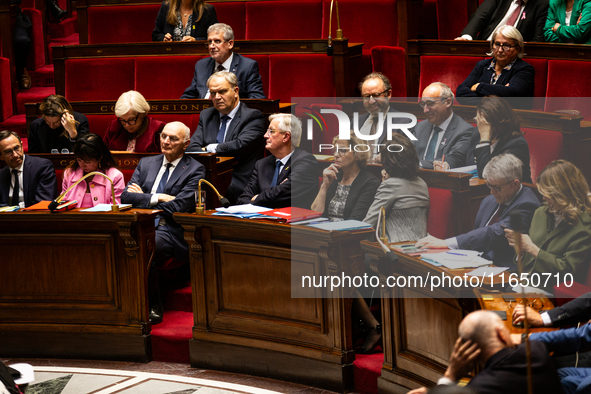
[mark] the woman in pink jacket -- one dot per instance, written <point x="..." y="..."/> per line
<point x="92" y="155"/>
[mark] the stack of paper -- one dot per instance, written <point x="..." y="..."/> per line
<point x="245" y="211"/>
<point x="456" y="259"/>
<point x="344" y="225"/>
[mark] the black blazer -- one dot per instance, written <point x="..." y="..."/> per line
<point x="454" y="144"/>
<point x="198" y="30"/>
<point x="39" y="182"/>
<point x="297" y="184"/>
<point x="481" y="156"/>
<point x="247" y="71"/>
<point x="182" y="184"/>
<point x="361" y="196"/>
<point x="490" y="13"/>
<point x="577" y="310"/>
<point x="244" y="142"/>
<point x="520" y="79"/>
<point x="42" y="138"/>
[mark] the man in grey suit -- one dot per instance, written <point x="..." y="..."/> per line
<point x="220" y="41"/>
<point x="230" y="128"/>
<point x="443" y="133"/>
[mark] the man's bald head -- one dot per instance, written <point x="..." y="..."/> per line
<point x="484" y="328"/>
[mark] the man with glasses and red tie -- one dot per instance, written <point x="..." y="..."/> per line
<point x="26" y="180"/>
<point x="230" y="128"/>
<point x="220" y="42"/>
<point x="503" y="177"/>
<point x="443" y="135"/>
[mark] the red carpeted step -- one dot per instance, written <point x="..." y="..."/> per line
<point x="179" y="300"/>
<point x="43" y="76"/>
<point x="65" y="28"/>
<point x="170" y="339"/>
<point x="366" y="370"/>
<point x="73" y="39"/>
<point x="33" y="95"/>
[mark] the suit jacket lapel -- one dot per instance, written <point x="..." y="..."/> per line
<point x="5" y="184"/>
<point x="27" y="170"/>
<point x="235" y="64"/>
<point x="176" y="174"/>
<point x="285" y="171"/>
<point x="213" y="129"/>
<point x="448" y="135"/>
<point x="235" y="121"/>
<point x="153" y="173"/>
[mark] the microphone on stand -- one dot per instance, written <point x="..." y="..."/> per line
<point x="329" y="47"/>
<point x="200" y="208"/>
<point x="53" y="205"/>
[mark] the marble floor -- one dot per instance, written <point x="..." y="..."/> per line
<point x="56" y="376"/>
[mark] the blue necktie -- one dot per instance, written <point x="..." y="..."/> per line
<point x="432" y="148"/>
<point x="164" y="179"/>
<point x="161" y="187"/>
<point x="220" y="138"/>
<point x="276" y="174"/>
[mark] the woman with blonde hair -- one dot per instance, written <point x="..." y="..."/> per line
<point x="559" y="240"/>
<point x="347" y="188"/>
<point x="133" y="130"/>
<point x="183" y="20"/>
<point x="58" y="128"/>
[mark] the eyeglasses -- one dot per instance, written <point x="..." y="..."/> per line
<point x="496" y="188"/>
<point x="374" y="96"/>
<point x="271" y="131"/>
<point x="503" y="47"/>
<point x="214" y="42"/>
<point x="340" y="151"/>
<point x="16" y="150"/>
<point x="130" y="122"/>
<point x="430" y="104"/>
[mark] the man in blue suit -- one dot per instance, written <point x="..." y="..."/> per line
<point x="503" y="177"/>
<point x="220" y="38"/>
<point x="230" y="128"/>
<point x="25" y="180"/>
<point x="443" y="133"/>
<point x="167" y="182"/>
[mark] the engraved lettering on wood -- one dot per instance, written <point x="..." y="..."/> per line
<point x="131" y="247"/>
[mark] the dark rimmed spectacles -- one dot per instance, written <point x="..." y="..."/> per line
<point x="130" y="122"/>
<point x="503" y="47"/>
<point x="431" y="104"/>
<point x="374" y="96"/>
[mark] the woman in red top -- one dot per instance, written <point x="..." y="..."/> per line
<point x="133" y="130"/>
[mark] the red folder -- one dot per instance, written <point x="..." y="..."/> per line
<point x="293" y="214"/>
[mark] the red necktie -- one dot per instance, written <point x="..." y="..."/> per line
<point x="497" y="216"/>
<point x="515" y="14"/>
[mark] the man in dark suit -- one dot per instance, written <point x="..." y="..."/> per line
<point x="230" y="128"/>
<point x="25" y="180"/>
<point x="220" y="38"/>
<point x="571" y="313"/>
<point x="167" y="182"/>
<point x="443" y="133"/>
<point x="287" y="178"/>
<point x="376" y="91"/>
<point x="528" y="17"/>
<point x="503" y="177"/>
<point x="485" y="340"/>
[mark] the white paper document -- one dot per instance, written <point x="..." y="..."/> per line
<point x="245" y="208"/>
<point x="459" y="258"/>
<point x="487" y="271"/>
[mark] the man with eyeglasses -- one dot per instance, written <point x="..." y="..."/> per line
<point x="528" y="16"/>
<point x="230" y="128"/>
<point x="503" y="177"/>
<point x="220" y="42"/>
<point x="26" y="180"/>
<point x="376" y="91"/>
<point x="443" y="133"/>
<point x="288" y="178"/>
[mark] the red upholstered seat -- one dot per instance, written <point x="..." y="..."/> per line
<point x="540" y="81"/>
<point x="233" y="14"/>
<point x="134" y="23"/>
<point x="451" y="70"/>
<point x="568" y="90"/>
<point x="36" y="57"/>
<point x="309" y="76"/>
<point x="263" y="21"/>
<point x="391" y="61"/>
<point x="440" y="221"/>
<point x="163" y="77"/>
<point x="5" y="90"/>
<point x="263" y="61"/>
<point x="99" y="124"/>
<point x="373" y="22"/>
<point x="544" y="147"/>
<point x="452" y="17"/>
<point x="98" y="79"/>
